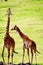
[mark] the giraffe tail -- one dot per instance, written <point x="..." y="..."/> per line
<point x="37" y="51"/>
<point x="15" y="52"/>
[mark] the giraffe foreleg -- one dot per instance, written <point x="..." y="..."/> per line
<point x="23" y="55"/>
<point x="28" y="55"/>
<point x="3" y="53"/>
<point x="12" y="54"/>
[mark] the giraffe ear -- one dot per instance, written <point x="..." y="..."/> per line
<point x="15" y="25"/>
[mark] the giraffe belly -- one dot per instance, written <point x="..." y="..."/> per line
<point x="26" y="45"/>
<point x="7" y="46"/>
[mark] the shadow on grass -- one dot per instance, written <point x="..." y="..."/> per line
<point x="1" y="63"/>
<point x="37" y="64"/>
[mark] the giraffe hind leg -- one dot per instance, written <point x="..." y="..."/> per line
<point x="12" y="54"/>
<point x="8" y="54"/>
<point x="31" y="56"/>
<point x="35" y="59"/>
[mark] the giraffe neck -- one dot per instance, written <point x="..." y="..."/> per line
<point x="20" y="33"/>
<point x="7" y="27"/>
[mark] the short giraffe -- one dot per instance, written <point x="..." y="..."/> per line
<point x="27" y="44"/>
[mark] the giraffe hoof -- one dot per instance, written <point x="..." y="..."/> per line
<point x="36" y="64"/>
<point x="28" y="63"/>
<point x="21" y="64"/>
<point x="1" y="63"/>
<point x="10" y="63"/>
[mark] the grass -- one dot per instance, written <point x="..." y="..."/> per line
<point x="28" y="16"/>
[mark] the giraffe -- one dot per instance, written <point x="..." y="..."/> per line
<point x="28" y="44"/>
<point x="8" y="41"/>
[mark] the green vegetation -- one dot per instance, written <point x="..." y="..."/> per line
<point x="28" y="16"/>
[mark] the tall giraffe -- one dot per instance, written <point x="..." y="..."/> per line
<point x="8" y="40"/>
<point x="28" y="44"/>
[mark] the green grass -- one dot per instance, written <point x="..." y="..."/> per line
<point x="28" y="16"/>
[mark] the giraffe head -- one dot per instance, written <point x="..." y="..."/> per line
<point x="15" y="28"/>
<point x="9" y="12"/>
